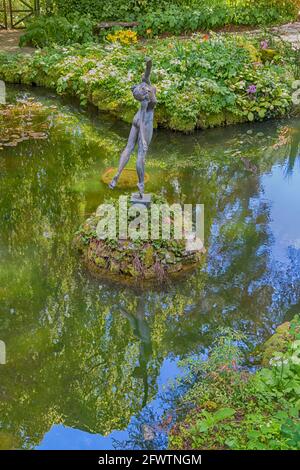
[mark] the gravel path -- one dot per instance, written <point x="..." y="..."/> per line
<point x="290" y="32"/>
<point x="9" y="41"/>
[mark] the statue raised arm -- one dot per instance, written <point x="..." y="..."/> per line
<point x="141" y="129"/>
<point x="146" y="76"/>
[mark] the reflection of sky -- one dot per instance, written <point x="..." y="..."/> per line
<point x="284" y="195"/>
<point x="61" y="437"/>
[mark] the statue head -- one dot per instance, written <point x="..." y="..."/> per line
<point x="143" y="91"/>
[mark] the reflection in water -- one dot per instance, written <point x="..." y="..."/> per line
<point x="141" y="330"/>
<point x="85" y="357"/>
<point x="294" y="151"/>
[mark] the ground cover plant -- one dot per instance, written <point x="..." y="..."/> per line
<point x="231" y="407"/>
<point x="201" y="82"/>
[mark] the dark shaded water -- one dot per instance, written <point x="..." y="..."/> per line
<point x="86" y="361"/>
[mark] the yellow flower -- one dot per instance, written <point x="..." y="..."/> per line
<point x="123" y="36"/>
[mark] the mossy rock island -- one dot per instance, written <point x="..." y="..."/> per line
<point x="130" y="260"/>
<point x="128" y="178"/>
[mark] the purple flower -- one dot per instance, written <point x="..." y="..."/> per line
<point x="264" y="44"/>
<point x="251" y="89"/>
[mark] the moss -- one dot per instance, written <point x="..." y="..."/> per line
<point x="278" y="342"/>
<point x="180" y="123"/>
<point x="102" y="100"/>
<point x="7" y="441"/>
<point x="234" y="118"/>
<point x="268" y="54"/>
<point x="128" y="178"/>
<point x="149" y="256"/>
<point x="211" y="120"/>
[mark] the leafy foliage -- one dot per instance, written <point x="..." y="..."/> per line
<point x="45" y="31"/>
<point x="192" y="16"/>
<point x="178" y="16"/>
<point x="234" y="409"/>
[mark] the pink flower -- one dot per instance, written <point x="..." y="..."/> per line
<point x="251" y="89"/>
<point x="264" y="44"/>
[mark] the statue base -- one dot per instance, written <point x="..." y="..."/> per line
<point x="136" y="199"/>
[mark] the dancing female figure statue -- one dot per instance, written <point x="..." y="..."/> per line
<point x="141" y="129"/>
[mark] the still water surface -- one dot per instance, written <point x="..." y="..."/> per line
<point x="87" y="361"/>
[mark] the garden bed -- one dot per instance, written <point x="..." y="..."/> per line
<point x="230" y="407"/>
<point x="204" y="81"/>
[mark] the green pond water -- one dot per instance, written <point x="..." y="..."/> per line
<point x="86" y="361"/>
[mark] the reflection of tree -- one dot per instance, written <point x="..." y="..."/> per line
<point x="294" y="150"/>
<point x="87" y="353"/>
<point x="71" y="357"/>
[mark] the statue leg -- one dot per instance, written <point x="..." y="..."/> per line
<point x="140" y="169"/>
<point x="140" y="164"/>
<point x="125" y="155"/>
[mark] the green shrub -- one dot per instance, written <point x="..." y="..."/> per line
<point x="72" y="22"/>
<point x="109" y="11"/>
<point x="46" y="31"/>
<point x="179" y="16"/>
<point x="235" y="409"/>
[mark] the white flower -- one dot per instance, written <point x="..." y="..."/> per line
<point x="129" y="76"/>
<point x="295" y="359"/>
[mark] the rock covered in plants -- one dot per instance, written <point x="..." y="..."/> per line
<point x="139" y="259"/>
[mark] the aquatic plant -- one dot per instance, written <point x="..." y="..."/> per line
<point x="24" y="120"/>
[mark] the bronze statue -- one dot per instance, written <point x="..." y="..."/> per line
<point x="141" y="129"/>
